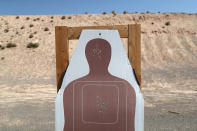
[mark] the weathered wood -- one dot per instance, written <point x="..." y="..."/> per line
<point x="62" y="52"/>
<point x="74" y="32"/>
<point x="134" y="49"/>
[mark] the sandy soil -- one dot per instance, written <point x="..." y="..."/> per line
<point x="169" y="69"/>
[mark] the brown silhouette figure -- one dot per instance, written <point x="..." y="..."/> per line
<point x="99" y="101"/>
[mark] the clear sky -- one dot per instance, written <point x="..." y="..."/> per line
<point x="44" y="7"/>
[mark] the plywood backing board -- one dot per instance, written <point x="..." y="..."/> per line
<point x="63" y="34"/>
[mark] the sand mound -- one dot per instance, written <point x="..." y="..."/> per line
<point x="167" y="40"/>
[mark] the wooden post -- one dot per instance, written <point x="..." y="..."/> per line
<point x="62" y="52"/>
<point x="134" y="49"/>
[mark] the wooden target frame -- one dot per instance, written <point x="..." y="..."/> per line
<point x="63" y="34"/>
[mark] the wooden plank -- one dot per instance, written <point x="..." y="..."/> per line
<point x="62" y="52"/>
<point x="74" y="32"/>
<point x="134" y="49"/>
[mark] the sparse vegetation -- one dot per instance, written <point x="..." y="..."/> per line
<point x="10" y="45"/>
<point x="32" y="45"/>
<point x="2" y="58"/>
<point x="125" y="12"/>
<point x="104" y="13"/>
<point x="167" y="23"/>
<point x="69" y="17"/>
<point x="31" y="25"/>
<point x="37" y="18"/>
<point x="35" y="32"/>
<point x="152" y="23"/>
<point x="113" y="12"/>
<point x="51" y="17"/>
<point x="63" y="17"/>
<point x="27" y="18"/>
<point x="22" y="27"/>
<point x="147" y="12"/>
<point x="6" y="30"/>
<point x="31" y="36"/>
<point x="17" y="17"/>
<point x="46" y="29"/>
<point x="2" y="47"/>
<point x="158" y="12"/>
<point x="86" y="13"/>
<point x="51" y="21"/>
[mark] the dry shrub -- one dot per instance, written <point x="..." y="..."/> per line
<point x="104" y="13"/>
<point x="69" y="17"/>
<point x="31" y="25"/>
<point x="17" y="17"/>
<point x="63" y="17"/>
<point x="27" y="18"/>
<point x="6" y="30"/>
<point x="32" y="45"/>
<point x="10" y="45"/>
<point x="22" y="27"/>
<point x="2" y="48"/>
<point x="167" y="23"/>
<point x="46" y="29"/>
<point x="125" y="12"/>
<point x="113" y="12"/>
<point x="31" y="36"/>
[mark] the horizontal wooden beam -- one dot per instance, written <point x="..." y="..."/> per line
<point x="75" y="32"/>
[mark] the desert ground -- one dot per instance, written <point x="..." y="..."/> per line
<point x="169" y="68"/>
